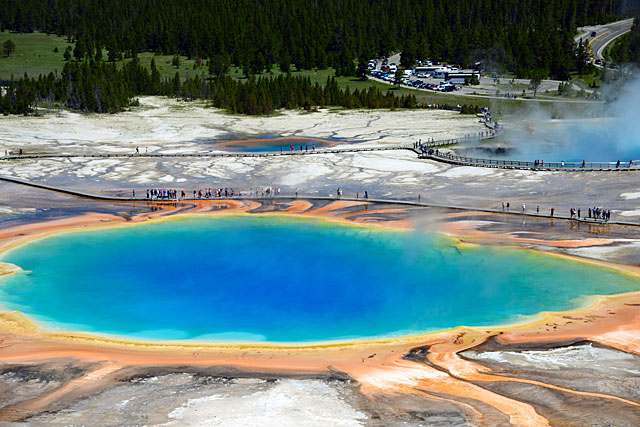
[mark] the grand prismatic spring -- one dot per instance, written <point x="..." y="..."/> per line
<point x="285" y="279"/>
<point x="426" y="303"/>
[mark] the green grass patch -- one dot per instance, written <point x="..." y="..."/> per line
<point x="34" y="54"/>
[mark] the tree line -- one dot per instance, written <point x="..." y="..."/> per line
<point x="103" y="88"/>
<point x="525" y="36"/>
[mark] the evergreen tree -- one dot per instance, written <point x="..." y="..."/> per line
<point x="8" y="47"/>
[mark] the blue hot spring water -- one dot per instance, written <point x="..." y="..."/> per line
<point x="268" y="145"/>
<point x="271" y="278"/>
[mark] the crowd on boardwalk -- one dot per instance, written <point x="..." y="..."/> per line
<point x="306" y="148"/>
<point x="164" y="194"/>
<point x="203" y="193"/>
<point x="595" y="213"/>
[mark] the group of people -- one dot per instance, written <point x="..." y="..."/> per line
<point x="306" y="148"/>
<point x="598" y="213"/>
<point x="172" y="194"/>
<point x="210" y="193"/>
<point x="430" y="151"/>
<point x="162" y="194"/>
<point x="595" y="213"/>
<point x="540" y="163"/>
<point x="419" y="146"/>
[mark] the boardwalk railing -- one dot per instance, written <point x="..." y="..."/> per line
<point x="272" y="198"/>
<point x="522" y="164"/>
<point x="350" y="149"/>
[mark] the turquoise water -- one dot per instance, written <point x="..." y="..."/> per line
<point x="267" y="145"/>
<point x="255" y="278"/>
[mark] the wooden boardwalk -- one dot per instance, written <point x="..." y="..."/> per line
<point x="439" y="157"/>
<point x="409" y="203"/>
<point x="350" y="149"/>
<point x="528" y="165"/>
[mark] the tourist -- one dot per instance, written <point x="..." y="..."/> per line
<point x="502" y="206"/>
<point x="366" y="194"/>
<point x="523" y="208"/>
<point x="578" y="213"/>
<point x="134" y="194"/>
<point x="552" y="211"/>
<point x="583" y="163"/>
<point x="507" y="206"/>
<point x="137" y="151"/>
<point x="618" y="164"/>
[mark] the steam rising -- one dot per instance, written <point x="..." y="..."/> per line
<point x="608" y="137"/>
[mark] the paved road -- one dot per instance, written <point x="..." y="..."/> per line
<point x="605" y="34"/>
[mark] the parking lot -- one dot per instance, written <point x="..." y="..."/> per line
<point x="383" y="70"/>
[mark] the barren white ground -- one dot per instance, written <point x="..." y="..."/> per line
<point x="163" y="125"/>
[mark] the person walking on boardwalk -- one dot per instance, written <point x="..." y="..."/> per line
<point x="552" y="211"/>
<point x="524" y="208"/>
<point x="138" y="150"/>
